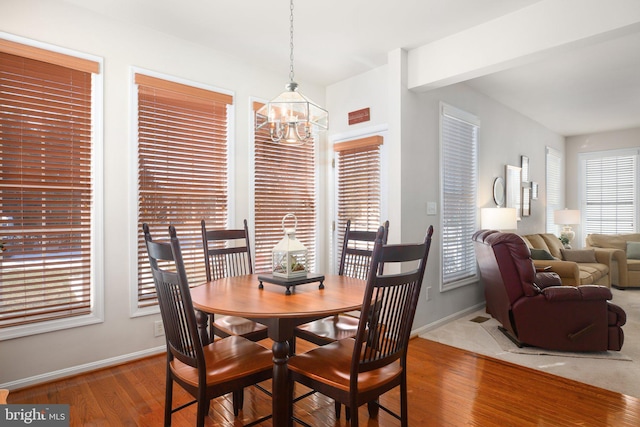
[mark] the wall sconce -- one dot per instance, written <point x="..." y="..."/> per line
<point x="498" y="219"/>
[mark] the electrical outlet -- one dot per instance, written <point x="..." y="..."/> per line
<point x="158" y="328"/>
<point x="428" y="293"/>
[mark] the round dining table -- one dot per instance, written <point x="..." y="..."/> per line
<point x="270" y="305"/>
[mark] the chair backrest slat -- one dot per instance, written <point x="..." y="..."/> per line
<point x="357" y="248"/>
<point x="174" y="298"/>
<point x="389" y="304"/>
<point x="227" y="252"/>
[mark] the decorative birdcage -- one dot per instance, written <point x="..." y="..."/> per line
<point x="289" y="256"/>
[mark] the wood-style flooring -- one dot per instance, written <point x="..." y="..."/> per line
<point x="447" y="387"/>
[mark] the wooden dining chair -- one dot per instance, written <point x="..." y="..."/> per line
<point x="355" y="371"/>
<point x="205" y="371"/>
<point x="355" y="259"/>
<point x="228" y="253"/>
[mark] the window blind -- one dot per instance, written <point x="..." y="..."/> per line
<point x="182" y="170"/>
<point x="553" y="179"/>
<point x="46" y="186"/>
<point x="459" y="165"/>
<point x="358" y="185"/>
<point x="610" y="189"/>
<point x="284" y="182"/>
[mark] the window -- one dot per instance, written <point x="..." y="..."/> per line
<point x="358" y="185"/>
<point x="609" y="192"/>
<point x="554" y="193"/>
<point x="459" y="166"/>
<point x="284" y="182"/>
<point x="182" y="171"/>
<point x="50" y="189"/>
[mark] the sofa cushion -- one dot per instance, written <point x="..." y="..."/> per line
<point x="537" y="242"/>
<point x="616" y="241"/>
<point x="541" y="254"/>
<point x="633" y="250"/>
<point x="554" y="244"/>
<point x="590" y="273"/>
<point x="582" y="255"/>
<point x="633" y="264"/>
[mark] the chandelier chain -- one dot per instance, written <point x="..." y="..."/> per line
<point x="291" y="74"/>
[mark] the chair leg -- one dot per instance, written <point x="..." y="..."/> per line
<point x="354" y="416"/>
<point x="168" y="399"/>
<point x="238" y="401"/>
<point x="202" y="412"/>
<point x="373" y="408"/>
<point x="338" y="409"/>
<point x="404" y="412"/>
<point x="347" y="413"/>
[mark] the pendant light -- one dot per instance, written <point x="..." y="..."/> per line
<point x="292" y="118"/>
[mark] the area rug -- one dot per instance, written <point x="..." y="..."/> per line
<point x="620" y="372"/>
<point x="492" y="327"/>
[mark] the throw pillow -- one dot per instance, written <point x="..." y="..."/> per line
<point x="579" y="255"/>
<point x="633" y="250"/>
<point x="541" y="254"/>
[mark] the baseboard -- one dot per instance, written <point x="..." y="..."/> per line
<point x="75" y="370"/>
<point x="428" y="327"/>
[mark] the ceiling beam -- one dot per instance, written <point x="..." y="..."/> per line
<point x="543" y="29"/>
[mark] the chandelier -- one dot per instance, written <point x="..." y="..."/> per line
<point x="291" y="117"/>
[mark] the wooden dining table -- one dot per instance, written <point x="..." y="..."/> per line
<point x="242" y="296"/>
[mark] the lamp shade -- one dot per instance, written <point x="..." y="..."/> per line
<point x="498" y="218"/>
<point x="566" y="216"/>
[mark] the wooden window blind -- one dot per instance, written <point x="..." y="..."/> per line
<point x="46" y="186"/>
<point x="182" y="170"/>
<point x="358" y="185"/>
<point x="459" y="165"/>
<point x="284" y="183"/>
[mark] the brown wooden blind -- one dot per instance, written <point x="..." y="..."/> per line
<point x="358" y="174"/>
<point x="45" y="185"/>
<point x="182" y="170"/>
<point x="284" y="183"/>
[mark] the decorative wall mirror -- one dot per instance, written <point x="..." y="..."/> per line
<point x="514" y="189"/>
<point x="498" y="191"/>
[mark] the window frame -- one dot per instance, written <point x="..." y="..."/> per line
<point x="96" y="314"/>
<point x="553" y="187"/>
<point x="338" y="226"/>
<point x="624" y="152"/>
<point x="134" y="309"/>
<point x="470" y="271"/>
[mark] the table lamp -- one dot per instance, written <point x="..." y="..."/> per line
<point x="498" y="219"/>
<point x="567" y="218"/>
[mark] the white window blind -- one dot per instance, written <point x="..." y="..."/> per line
<point x="552" y="183"/>
<point x="459" y="166"/>
<point x="610" y="187"/>
<point x="182" y="170"/>
<point x="358" y="185"/>
<point x="47" y="187"/>
<point x="284" y="182"/>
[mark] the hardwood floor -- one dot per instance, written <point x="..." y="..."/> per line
<point x="447" y="387"/>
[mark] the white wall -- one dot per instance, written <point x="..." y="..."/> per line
<point x="614" y="140"/>
<point x="505" y="135"/>
<point x="121" y="46"/>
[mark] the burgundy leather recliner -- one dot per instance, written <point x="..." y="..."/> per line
<point x="535" y="308"/>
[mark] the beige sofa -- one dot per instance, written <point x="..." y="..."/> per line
<point x="625" y="271"/>
<point x="575" y="268"/>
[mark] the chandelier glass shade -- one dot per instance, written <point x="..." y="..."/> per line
<point x="291" y="118"/>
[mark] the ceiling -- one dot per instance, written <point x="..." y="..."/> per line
<point x="591" y="89"/>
